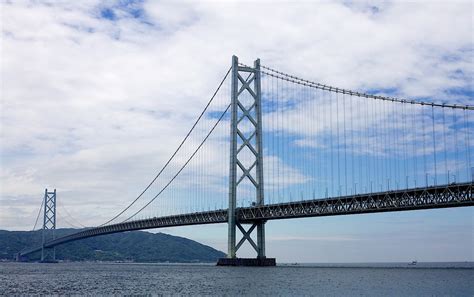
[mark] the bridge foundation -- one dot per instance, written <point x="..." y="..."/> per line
<point x="246" y="262"/>
<point x="20" y="258"/>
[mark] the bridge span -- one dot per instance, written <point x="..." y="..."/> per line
<point x="443" y="196"/>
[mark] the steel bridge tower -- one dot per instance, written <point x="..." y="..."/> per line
<point x="49" y="226"/>
<point x="246" y="161"/>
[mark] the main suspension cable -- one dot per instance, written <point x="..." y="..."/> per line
<point x="68" y="214"/>
<point x="68" y="222"/>
<point x="182" y="167"/>
<point x="175" y="152"/>
<point x="301" y="81"/>
<point x="39" y="212"/>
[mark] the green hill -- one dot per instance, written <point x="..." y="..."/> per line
<point x="137" y="246"/>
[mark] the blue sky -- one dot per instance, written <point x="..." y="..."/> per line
<point x="97" y="95"/>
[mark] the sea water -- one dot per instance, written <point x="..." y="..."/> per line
<point x="381" y="279"/>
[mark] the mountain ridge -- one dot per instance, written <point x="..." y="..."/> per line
<point x="133" y="246"/>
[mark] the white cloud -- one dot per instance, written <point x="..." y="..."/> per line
<point x="94" y="106"/>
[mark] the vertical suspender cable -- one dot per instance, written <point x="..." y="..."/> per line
<point x="391" y="146"/>
<point x="338" y="148"/>
<point x="331" y="141"/>
<point x="303" y="137"/>
<point x="365" y="160"/>
<point x="291" y="151"/>
<point x="414" y="133"/>
<point x="278" y="139"/>
<point x="367" y="136"/>
<point x="274" y="154"/>
<point x="456" y="153"/>
<point x="445" y="149"/>
<point x="283" y="143"/>
<point x="315" y="130"/>
<point x="352" y="145"/>
<point x="286" y="144"/>
<point x="381" y="115"/>
<point x="424" y="145"/>
<point x="375" y="142"/>
<point x="397" y="147"/>
<point x="320" y="105"/>
<point x="434" y="146"/>
<point x="384" y="147"/>
<point x="405" y="144"/>
<point x="39" y="212"/>
<point x="468" y="149"/>
<point x="299" y="93"/>
<point x="289" y="107"/>
<point x="345" y="140"/>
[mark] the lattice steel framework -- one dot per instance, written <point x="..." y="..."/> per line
<point x="49" y="225"/>
<point x="442" y="196"/>
<point x="245" y="112"/>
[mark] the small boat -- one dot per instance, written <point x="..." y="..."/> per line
<point x="413" y="262"/>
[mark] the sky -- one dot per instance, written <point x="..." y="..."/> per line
<point x="96" y="95"/>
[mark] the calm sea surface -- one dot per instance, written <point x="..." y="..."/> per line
<point x="424" y="279"/>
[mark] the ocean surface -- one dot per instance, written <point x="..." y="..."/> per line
<point x="381" y="279"/>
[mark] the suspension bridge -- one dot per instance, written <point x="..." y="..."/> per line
<point x="269" y="145"/>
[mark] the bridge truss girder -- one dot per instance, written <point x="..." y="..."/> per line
<point x="454" y="195"/>
<point x="441" y="196"/>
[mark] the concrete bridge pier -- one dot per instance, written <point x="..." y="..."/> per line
<point x="246" y="262"/>
<point x="20" y="258"/>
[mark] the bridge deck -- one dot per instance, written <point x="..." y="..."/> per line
<point x="443" y="196"/>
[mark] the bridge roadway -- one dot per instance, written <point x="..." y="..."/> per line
<point x="443" y="196"/>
